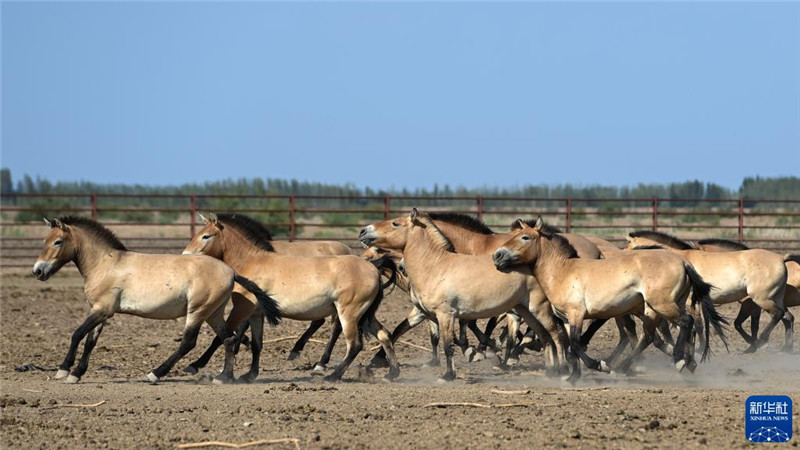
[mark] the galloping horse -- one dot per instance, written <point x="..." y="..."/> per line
<point x="452" y="286"/>
<point x="306" y="287"/>
<point x="758" y="274"/>
<point x="581" y="289"/>
<point x="748" y="308"/>
<point x="117" y="280"/>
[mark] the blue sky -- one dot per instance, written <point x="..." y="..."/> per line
<point x="401" y="94"/>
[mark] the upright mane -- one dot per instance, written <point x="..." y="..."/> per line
<point x="435" y="232"/>
<point x="545" y="226"/>
<point x="252" y="230"/>
<point x="662" y="238"/>
<point x="95" y="229"/>
<point x="562" y="243"/>
<point x="462" y="220"/>
<point x="724" y="243"/>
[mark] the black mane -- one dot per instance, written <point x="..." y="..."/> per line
<point x="461" y="220"/>
<point x="648" y="247"/>
<point x="95" y="229"/>
<point x="724" y="243"/>
<point x="562" y="242"/>
<point x="545" y="227"/>
<point x="662" y="238"/>
<point x="252" y="230"/>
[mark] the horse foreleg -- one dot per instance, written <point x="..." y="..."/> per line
<point x="648" y="329"/>
<point x="301" y="343"/>
<point x="594" y="325"/>
<point x="446" y="322"/>
<point x="228" y="338"/>
<point x="88" y="346"/>
<point x="256" y="344"/>
<point x="487" y="342"/>
<point x="512" y="322"/>
<point x="94" y="319"/>
<point x="415" y="317"/>
<point x="380" y="332"/>
<point x="203" y="360"/>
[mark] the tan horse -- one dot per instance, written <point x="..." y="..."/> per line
<point x="582" y="289"/>
<point x="452" y="286"/>
<point x="152" y="286"/>
<point x="306" y="287"/>
<point x="749" y="309"/>
<point x="758" y="274"/>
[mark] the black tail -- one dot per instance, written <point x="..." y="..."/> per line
<point x="387" y="267"/>
<point x="381" y="263"/>
<point x="270" y="308"/>
<point x="791" y="257"/>
<point x="702" y="290"/>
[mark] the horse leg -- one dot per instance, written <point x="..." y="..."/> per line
<point x="352" y="337"/>
<point x="95" y="318"/>
<point x="623" y="342"/>
<point x="446" y="322"/>
<point x="552" y="362"/>
<point x="662" y="336"/>
<point x="415" y="317"/>
<point x="433" y="326"/>
<point x="487" y="341"/>
<point x="512" y="321"/>
<point x="476" y="354"/>
<point x="242" y="338"/>
<point x="594" y="325"/>
<point x="228" y="337"/>
<point x="555" y="333"/>
<point x="683" y="351"/>
<point x="788" y="324"/>
<point x="243" y="308"/>
<point x="463" y="340"/>
<point x="256" y="344"/>
<point x="380" y="332"/>
<point x="188" y="341"/>
<point x="648" y="329"/>
<point x="747" y="309"/>
<point x="776" y="312"/>
<point x="336" y="330"/>
<point x="301" y="343"/>
<point x="88" y="346"/>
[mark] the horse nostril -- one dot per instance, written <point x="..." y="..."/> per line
<point x="37" y="271"/>
<point x="363" y="232"/>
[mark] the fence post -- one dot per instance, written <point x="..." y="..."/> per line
<point x="94" y="206"/>
<point x="480" y="207"/>
<point x="655" y="213"/>
<point x="291" y="217"/>
<point x="741" y="220"/>
<point x="386" y="209"/>
<point x="569" y="215"/>
<point x="192" y="214"/>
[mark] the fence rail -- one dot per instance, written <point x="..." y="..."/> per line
<point x="165" y="222"/>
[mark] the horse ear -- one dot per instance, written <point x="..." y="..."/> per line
<point x="539" y="223"/>
<point x="59" y="224"/>
<point x="47" y="222"/>
<point x="519" y="224"/>
<point x="414" y="214"/>
<point x="213" y="218"/>
<point x="203" y="218"/>
<point x="628" y="238"/>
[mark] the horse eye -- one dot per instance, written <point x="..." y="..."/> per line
<point x="526" y="237"/>
<point x="395" y="224"/>
<point x="206" y="237"/>
<point x="58" y="242"/>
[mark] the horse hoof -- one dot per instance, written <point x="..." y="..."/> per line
<point x="152" y="378"/>
<point x="469" y="353"/>
<point x="379" y="362"/>
<point x="512" y="362"/>
<point x="319" y="368"/>
<point x="691" y="366"/>
<point x="751" y="349"/>
<point x="680" y="365"/>
<point x="444" y="380"/>
<point x="191" y="370"/>
<point x="332" y="378"/>
<point x="479" y="356"/>
<point x="431" y="363"/>
<point x="490" y="354"/>
<point x="604" y="367"/>
<point x="246" y="378"/>
<point x="61" y="374"/>
<point x="292" y="356"/>
<point x="72" y="379"/>
<point x="219" y="379"/>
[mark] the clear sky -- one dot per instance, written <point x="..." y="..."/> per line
<point x="401" y="94"/>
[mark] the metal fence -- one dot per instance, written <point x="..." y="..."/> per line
<point x="164" y="223"/>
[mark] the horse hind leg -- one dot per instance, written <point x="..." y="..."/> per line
<point x="256" y="344"/>
<point x="446" y="323"/>
<point x="354" y="344"/>
<point x="228" y="338"/>
<point x="434" y="330"/>
<point x="336" y="331"/>
<point x="748" y="309"/>
<point x="776" y="312"/>
<point x="188" y="342"/>
<point x="648" y="329"/>
<point x="788" y="324"/>
<point x="375" y="328"/>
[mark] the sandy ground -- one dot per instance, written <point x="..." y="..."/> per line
<point x="657" y="408"/>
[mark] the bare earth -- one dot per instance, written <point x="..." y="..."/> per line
<point x="657" y="408"/>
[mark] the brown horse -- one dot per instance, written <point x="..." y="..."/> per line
<point x="580" y="289"/>
<point x="306" y="287"/>
<point x="117" y="280"/>
<point x="450" y="286"/>
<point x="748" y="308"/>
<point x="758" y="274"/>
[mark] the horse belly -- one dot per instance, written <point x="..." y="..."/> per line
<point x="312" y="308"/>
<point x="152" y="307"/>
<point x="598" y="307"/>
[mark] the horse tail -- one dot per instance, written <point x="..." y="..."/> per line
<point x="791" y="257"/>
<point x="382" y="263"/>
<point x="711" y="317"/>
<point x="387" y="267"/>
<point x="270" y="308"/>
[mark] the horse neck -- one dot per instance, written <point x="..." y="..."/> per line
<point x="239" y="252"/>
<point x="550" y="264"/>
<point x="92" y="254"/>
<point x="422" y="252"/>
<point x="467" y="241"/>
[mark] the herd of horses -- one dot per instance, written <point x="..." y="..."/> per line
<point x="455" y="270"/>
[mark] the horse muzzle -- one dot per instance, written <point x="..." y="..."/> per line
<point x="367" y="235"/>
<point x="42" y="270"/>
<point x="502" y="258"/>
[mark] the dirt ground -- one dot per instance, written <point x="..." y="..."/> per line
<point x="656" y="408"/>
